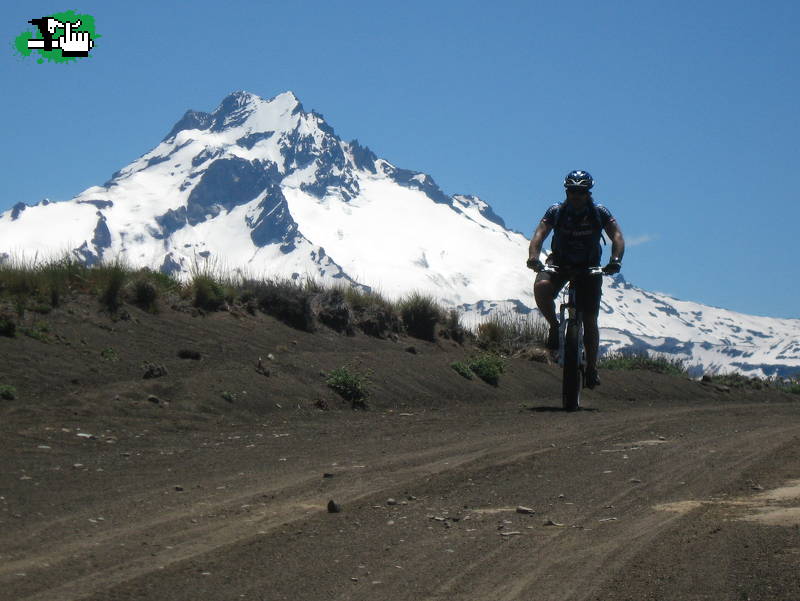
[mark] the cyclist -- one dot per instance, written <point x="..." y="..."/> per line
<point x="578" y="223"/>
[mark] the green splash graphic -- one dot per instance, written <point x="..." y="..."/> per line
<point x="54" y="56"/>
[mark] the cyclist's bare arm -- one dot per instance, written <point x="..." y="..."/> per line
<point x="539" y="236"/>
<point x="617" y="240"/>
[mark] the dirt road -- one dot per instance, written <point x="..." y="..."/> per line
<point x="675" y="499"/>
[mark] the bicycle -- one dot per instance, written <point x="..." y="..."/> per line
<point x="571" y="354"/>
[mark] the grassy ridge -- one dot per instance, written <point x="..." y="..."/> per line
<point x="40" y="286"/>
<point x="640" y="359"/>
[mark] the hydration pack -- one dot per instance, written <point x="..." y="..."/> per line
<point x="594" y="215"/>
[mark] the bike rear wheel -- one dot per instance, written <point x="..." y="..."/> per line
<point x="573" y="378"/>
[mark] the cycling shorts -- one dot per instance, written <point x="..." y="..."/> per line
<point x="589" y="289"/>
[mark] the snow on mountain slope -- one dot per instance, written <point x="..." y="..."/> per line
<point x="267" y="187"/>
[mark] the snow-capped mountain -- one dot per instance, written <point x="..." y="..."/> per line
<point x="266" y="187"/>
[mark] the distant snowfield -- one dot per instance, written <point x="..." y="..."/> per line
<point x="290" y="199"/>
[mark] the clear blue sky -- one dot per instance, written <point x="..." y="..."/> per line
<point x="686" y="113"/>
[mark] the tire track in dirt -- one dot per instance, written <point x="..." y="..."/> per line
<point x="540" y="566"/>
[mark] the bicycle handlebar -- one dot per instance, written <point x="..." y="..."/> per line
<point x="596" y="270"/>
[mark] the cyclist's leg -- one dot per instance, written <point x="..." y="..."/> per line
<point x="545" y="289"/>
<point x="591" y="340"/>
<point x="589" y="292"/>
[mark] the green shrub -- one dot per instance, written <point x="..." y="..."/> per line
<point x="163" y="281"/>
<point x="111" y="279"/>
<point x="350" y="384"/>
<point x="791" y="384"/>
<point x="20" y="304"/>
<point x="420" y="314"/>
<point x="331" y="308"/>
<point x="38" y="331"/>
<point x="736" y="380"/>
<point x="372" y="312"/>
<point x="491" y="334"/>
<point x="208" y="293"/>
<point x="145" y="294"/>
<point x="508" y="332"/>
<point x="488" y="367"/>
<point x="462" y="369"/>
<point x="286" y="300"/>
<point x="360" y="299"/>
<point x="55" y="277"/>
<point x="7" y="392"/>
<point x="18" y="277"/>
<point x="25" y="278"/>
<point x="640" y="359"/>
<point x="109" y="354"/>
<point x="453" y="328"/>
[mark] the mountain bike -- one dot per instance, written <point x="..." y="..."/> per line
<point x="571" y="354"/>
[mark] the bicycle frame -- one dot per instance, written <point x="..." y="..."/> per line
<point x="572" y="355"/>
<point x="569" y="304"/>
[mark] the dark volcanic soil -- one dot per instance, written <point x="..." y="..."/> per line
<point x="666" y="489"/>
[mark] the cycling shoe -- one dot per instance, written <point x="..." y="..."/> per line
<point x="592" y="379"/>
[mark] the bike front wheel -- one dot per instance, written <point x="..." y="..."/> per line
<point x="572" y="380"/>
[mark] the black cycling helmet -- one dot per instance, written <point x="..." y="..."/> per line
<point x="578" y="179"/>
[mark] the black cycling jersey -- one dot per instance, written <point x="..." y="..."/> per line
<point x="576" y="234"/>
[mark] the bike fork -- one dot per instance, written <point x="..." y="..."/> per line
<point x="562" y="332"/>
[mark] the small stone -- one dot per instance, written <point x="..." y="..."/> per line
<point x="77" y="466"/>
<point x="526" y="510"/>
<point x="153" y="399"/>
<point x="635" y="481"/>
<point x="153" y="370"/>
<point x="552" y="523"/>
<point x="511" y="533"/>
<point x="354" y="579"/>
<point x="270" y="357"/>
<point x="327" y="475"/>
<point x="179" y="488"/>
<point x="411" y="349"/>
<point x="391" y="502"/>
<point x="757" y="487"/>
<point x="334" y="507"/>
